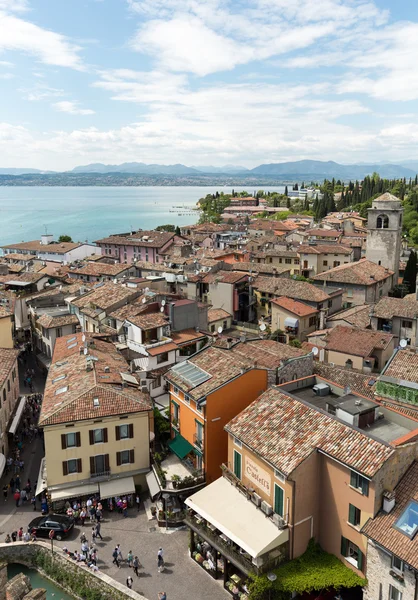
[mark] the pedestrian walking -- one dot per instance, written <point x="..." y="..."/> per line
<point x="129" y="582"/>
<point x="115" y="557"/>
<point x="23" y="495"/>
<point x="5" y="492"/>
<point x="160" y="564"/>
<point x="137" y="501"/>
<point x="98" y="528"/>
<point x="136" y="565"/>
<point x="16" y="497"/>
<point x="120" y="557"/>
<point x="17" y="482"/>
<point x="130" y="558"/>
<point x="20" y="534"/>
<point x="162" y="596"/>
<point x="93" y="534"/>
<point x="33" y="502"/>
<point x="83" y="516"/>
<point x="12" y="485"/>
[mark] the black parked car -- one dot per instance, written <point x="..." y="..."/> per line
<point x="60" y="524"/>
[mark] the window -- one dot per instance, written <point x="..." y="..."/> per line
<point x="352" y="553"/>
<point x="394" y="593"/>
<point x="176" y="390"/>
<point x="407" y="324"/>
<point x="162" y="357"/>
<point x="70" y="440"/>
<point x="124" y="432"/>
<point x="126" y="457"/>
<point x="359" y="483"/>
<point x="312" y="321"/>
<point x="224" y="324"/>
<point x="296" y="261"/>
<point x="8" y="385"/>
<point x="58" y="332"/>
<point x="278" y="500"/>
<point x="98" y="436"/>
<point x="336" y="263"/>
<point x="99" y="465"/>
<point x="69" y="467"/>
<point x="288" y="261"/>
<point x="237" y="464"/>
<point x="408" y="521"/>
<point x="349" y="363"/>
<point x="212" y="328"/>
<point x="349" y="293"/>
<point x="397" y="564"/>
<point x="14" y="374"/>
<point x="61" y="390"/>
<point x="237" y="442"/>
<point x="175" y="414"/>
<point x="382" y="222"/>
<point x="354" y="515"/>
<point x="280" y="260"/>
<point x="186" y="398"/>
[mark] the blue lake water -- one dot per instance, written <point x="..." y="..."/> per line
<point x="53" y="592"/>
<point x="89" y="213"/>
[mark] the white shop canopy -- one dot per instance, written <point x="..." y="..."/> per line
<point x="41" y="483"/>
<point x="240" y="520"/>
<point x="73" y="492"/>
<point x="153" y="487"/>
<point x="291" y="322"/>
<point x="2" y="463"/>
<point x="18" y="415"/>
<point x="117" y="487"/>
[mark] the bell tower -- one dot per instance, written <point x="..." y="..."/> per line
<point x="384" y="232"/>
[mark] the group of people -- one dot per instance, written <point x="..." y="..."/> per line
<point x="21" y="536"/>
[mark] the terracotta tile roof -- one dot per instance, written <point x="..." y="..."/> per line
<point x="362" y="272"/>
<point x="403" y="366"/>
<point x="70" y="398"/>
<point x="357" y="316"/>
<point x="97" y="269"/>
<point x="223" y="364"/>
<point x="387" y="197"/>
<point x="285" y="431"/>
<point x="224" y="277"/>
<point x="276" y="252"/>
<point x="49" y="321"/>
<point x="129" y="310"/>
<point x="358" y="382"/>
<point x="55" y="247"/>
<point x="186" y="336"/>
<point x="300" y="290"/>
<point x="161" y="349"/>
<point x="407" y="410"/>
<point x="357" y="342"/>
<point x="156" y="239"/>
<point x="143" y="265"/>
<point x="106" y="296"/>
<point x="324" y="249"/>
<point x="293" y="306"/>
<point x="5" y="311"/>
<point x="387" y="308"/>
<point x="325" y="233"/>
<point x="381" y="528"/>
<point x="18" y="256"/>
<point x="261" y="268"/>
<point x="8" y="358"/>
<point x="26" y="277"/>
<point x="149" y="320"/>
<point x="217" y="314"/>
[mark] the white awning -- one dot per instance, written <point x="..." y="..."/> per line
<point x="41" y="484"/>
<point x="18" y="415"/>
<point x="117" y="487"/>
<point x="73" y="492"/>
<point x="291" y="322"/>
<point x="154" y="488"/>
<point x="240" y="520"/>
<point x="2" y="463"/>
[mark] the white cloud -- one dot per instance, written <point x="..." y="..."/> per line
<point x="47" y="46"/>
<point x="39" y="92"/>
<point x="71" y="108"/>
<point x="6" y="64"/>
<point x="14" y="5"/>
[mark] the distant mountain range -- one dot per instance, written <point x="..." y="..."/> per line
<point x="301" y="169"/>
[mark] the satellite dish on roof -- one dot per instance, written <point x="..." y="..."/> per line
<point x="315" y="351"/>
<point x="403" y="343"/>
<point x="163" y="302"/>
<point x="143" y="300"/>
<point x="86" y="350"/>
<point x="83" y="338"/>
<point x="262" y="327"/>
<point x="220" y="330"/>
<point x="162" y="309"/>
<point x="146" y="289"/>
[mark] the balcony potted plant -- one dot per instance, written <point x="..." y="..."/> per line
<point x="153" y="511"/>
<point x="176" y="480"/>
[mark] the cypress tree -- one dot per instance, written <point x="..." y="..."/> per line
<point x="285" y="191"/>
<point x="288" y="203"/>
<point x="410" y="275"/>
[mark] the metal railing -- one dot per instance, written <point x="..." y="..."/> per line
<point x="100" y="474"/>
<point x="198" y="442"/>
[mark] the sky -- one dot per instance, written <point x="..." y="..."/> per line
<point x="207" y="82"/>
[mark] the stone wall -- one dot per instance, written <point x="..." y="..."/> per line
<point x="379" y="565"/>
<point x="295" y="368"/>
<point x="27" y="553"/>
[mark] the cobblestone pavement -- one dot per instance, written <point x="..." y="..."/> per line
<point x="182" y="578"/>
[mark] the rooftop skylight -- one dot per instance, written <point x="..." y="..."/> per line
<point x="61" y="390"/>
<point x="408" y="521"/>
<point x="191" y="373"/>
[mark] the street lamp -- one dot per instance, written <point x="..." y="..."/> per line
<point x="272" y="578"/>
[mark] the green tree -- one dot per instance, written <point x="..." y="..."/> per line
<point x="288" y="203"/>
<point x="65" y="238"/>
<point x="410" y="275"/>
<point x="169" y="228"/>
<point x="178" y="232"/>
<point x="285" y="191"/>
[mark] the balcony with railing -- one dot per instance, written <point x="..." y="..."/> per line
<point x="175" y="475"/>
<point x="198" y="441"/>
<point x="100" y="475"/>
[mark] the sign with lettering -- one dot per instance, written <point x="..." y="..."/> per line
<point x="257" y="475"/>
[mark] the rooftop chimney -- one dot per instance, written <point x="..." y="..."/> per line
<point x="388" y="501"/>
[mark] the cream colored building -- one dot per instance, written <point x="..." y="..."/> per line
<point x="9" y="394"/>
<point x="317" y="258"/>
<point x="6" y="327"/>
<point x="97" y="423"/>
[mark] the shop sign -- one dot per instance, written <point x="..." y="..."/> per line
<point x="258" y="476"/>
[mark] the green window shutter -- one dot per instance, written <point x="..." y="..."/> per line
<point x="343" y="546"/>
<point x="360" y="560"/>
<point x="237" y="464"/>
<point x="351" y="514"/>
<point x="278" y="500"/>
<point x="365" y="487"/>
